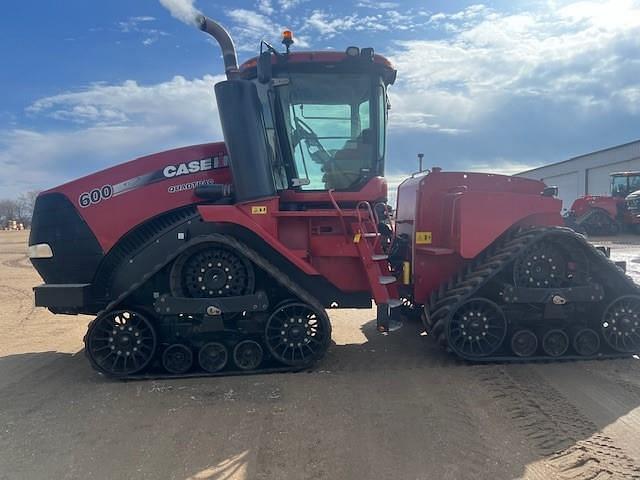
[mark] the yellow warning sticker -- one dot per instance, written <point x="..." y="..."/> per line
<point x="423" y="238"/>
<point x="259" y="210"/>
<point x="356" y="237"/>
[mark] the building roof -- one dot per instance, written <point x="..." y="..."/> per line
<point x="579" y="156"/>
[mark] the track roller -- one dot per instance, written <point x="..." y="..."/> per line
<point x="555" y="342"/>
<point x="247" y="355"/>
<point x="476" y="328"/>
<point x="177" y="358"/>
<point x="586" y="342"/>
<point x="213" y="357"/>
<point x="120" y="343"/>
<point x="621" y="324"/>
<point x="296" y="334"/>
<point x="524" y="343"/>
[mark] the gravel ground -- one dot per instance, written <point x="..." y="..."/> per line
<point x="378" y="407"/>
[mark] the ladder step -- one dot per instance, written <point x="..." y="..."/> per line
<point x="370" y="235"/>
<point x="379" y="257"/>
<point x="395" y="302"/>
<point x="386" y="280"/>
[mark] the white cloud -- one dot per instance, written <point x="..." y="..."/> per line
<point x="133" y="23"/>
<point x="250" y="27"/>
<point x="265" y="6"/>
<point x="104" y="125"/>
<point x="183" y="10"/>
<point x="377" y="5"/>
<point x="501" y="166"/>
<point x="572" y="56"/>
<point x="137" y="25"/>
<point x="328" y="25"/>
<point x="288" y="4"/>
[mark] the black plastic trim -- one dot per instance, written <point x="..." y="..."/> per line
<point x="76" y="251"/>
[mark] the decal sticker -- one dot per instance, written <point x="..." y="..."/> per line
<point x="357" y="237"/>
<point x="423" y="238"/>
<point x="189" y="186"/>
<point x="259" y="210"/>
<point x="95" y="196"/>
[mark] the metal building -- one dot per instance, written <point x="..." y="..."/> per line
<point x="587" y="174"/>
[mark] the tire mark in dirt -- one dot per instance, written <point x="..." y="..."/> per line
<point x="619" y="372"/>
<point x="20" y="262"/>
<point x="27" y="306"/>
<point x="571" y="442"/>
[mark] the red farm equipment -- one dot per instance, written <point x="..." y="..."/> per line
<point x="221" y="258"/>
<point x="609" y="214"/>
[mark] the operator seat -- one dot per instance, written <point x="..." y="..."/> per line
<point x="349" y="162"/>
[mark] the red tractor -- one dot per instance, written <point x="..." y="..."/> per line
<point x="607" y="215"/>
<point x="221" y="258"/>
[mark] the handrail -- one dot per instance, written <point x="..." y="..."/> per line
<point x="372" y="217"/>
<point x="337" y="207"/>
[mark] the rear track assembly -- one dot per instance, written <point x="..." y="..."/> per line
<point x="537" y="294"/>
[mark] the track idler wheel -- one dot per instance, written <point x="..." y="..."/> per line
<point x="621" y="324"/>
<point x="524" y="343"/>
<point x="541" y="266"/>
<point x="177" y="359"/>
<point x="247" y="355"/>
<point x="120" y="343"/>
<point x="212" y="270"/>
<point x="555" y="342"/>
<point x="477" y="328"/>
<point x="297" y="335"/>
<point x="213" y="357"/>
<point x="586" y="342"/>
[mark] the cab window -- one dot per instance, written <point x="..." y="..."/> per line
<point x="329" y="122"/>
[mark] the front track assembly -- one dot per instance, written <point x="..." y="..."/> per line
<point x="225" y="314"/>
<point x="537" y="294"/>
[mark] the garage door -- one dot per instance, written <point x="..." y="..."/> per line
<point x="568" y="189"/>
<point x="598" y="181"/>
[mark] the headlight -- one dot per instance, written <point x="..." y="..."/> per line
<point x="41" y="250"/>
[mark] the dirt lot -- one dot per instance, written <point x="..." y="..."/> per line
<point x="377" y="407"/>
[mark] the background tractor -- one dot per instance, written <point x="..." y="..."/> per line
<point x="608" y="215"/>
<point x="222" y="258"/>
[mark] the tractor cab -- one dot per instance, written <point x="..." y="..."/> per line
<point x="325" y="114"/>
<point x="624" y="183"/>
<point x="297" y="124"/>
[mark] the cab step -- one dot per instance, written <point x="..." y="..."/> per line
<point x="395" y="302"/>
<point x="387" y="279"/>
<point x="379" y="257"/>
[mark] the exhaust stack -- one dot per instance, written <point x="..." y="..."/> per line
<point x="226" y="44"/>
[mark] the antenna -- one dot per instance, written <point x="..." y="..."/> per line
<point x="420" y="157"/>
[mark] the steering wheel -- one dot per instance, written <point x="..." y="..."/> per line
<point x="304" y="132"/>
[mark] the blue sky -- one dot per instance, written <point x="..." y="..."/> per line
<point x="497" y="86"/>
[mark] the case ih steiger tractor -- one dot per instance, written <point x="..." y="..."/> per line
<point x="608" y="214"/>
<point x="221" y="258"/>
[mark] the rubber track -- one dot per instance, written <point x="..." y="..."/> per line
<point x="257" y="260"/>
<point x="583" y="222"/>
<point x="572" y="444"/>
<point x="492" y="262"/>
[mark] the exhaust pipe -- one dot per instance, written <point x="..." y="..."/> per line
<point x="226" y="44"/>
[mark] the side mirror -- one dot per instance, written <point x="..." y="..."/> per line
<point x="265" y="69"/>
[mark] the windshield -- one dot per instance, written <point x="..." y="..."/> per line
<point x="331" y="128"/>
<point x="622" y="185"/>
